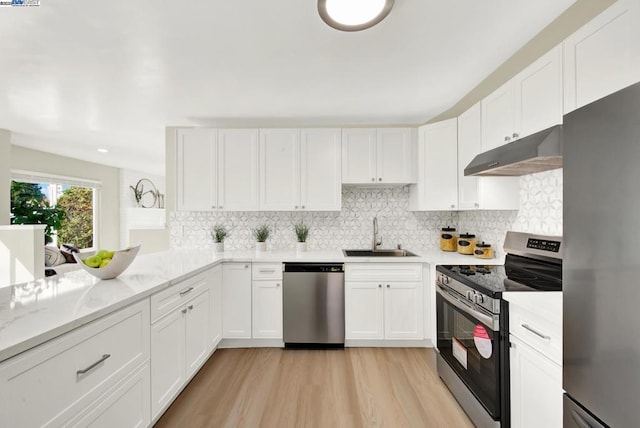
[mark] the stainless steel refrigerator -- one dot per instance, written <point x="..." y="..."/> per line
<point x="601" y="267"/>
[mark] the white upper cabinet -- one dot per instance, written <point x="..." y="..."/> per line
<point x="217" y="169"/>
<point x="538" y="94"/>
<point x="381" y="156"/>
<point x="481" y="192"/>
<point x="358" y="156"/>
<point x="437" y="187"/>
<point x="237" y="169"/>
<point x="279" y="169"/>
<point x="530" y="102"/>
<point x="603" y="56"/>
<point x="300" y="169"/>
<point x="196" y="169"/>
<point x="393" y="159"/>
<point x="320" y="169"/>
<point x="498" y="118"/>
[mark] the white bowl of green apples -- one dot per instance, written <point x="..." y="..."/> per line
<point x="105" y="264"/>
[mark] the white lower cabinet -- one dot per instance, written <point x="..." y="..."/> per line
<point x="536" y="388"/>
<point x="97" y="373"/>
<point x="215" y="298"/>
<point x="266" y="299"/>
<point x="236" y="300"/>
<point x="180" y="344"/>
<point x="535" y="334"/>
<point x="384" y="302"/>
<point x="267" y="309"/>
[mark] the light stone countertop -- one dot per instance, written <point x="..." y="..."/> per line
<point x="37" y="311"/>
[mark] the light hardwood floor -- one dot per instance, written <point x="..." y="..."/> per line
<point x="354" y="387"/>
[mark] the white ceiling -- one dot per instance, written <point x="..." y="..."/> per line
<point x="79" y="75"/>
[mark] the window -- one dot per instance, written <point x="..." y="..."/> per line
<point x="66" y="205"/>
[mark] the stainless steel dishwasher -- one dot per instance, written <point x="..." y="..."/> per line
<point x="313" y="302"/>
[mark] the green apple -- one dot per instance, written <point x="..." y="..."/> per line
<point x="93" y="261"/>
<point x="105" y="254"/>
<point x="105" y="262"/>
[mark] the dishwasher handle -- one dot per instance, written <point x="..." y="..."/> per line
<point x="314" y="267"/>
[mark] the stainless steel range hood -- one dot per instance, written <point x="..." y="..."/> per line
<point x="539" y="152"/>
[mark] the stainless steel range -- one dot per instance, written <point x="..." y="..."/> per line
<point x="472" y="321"/>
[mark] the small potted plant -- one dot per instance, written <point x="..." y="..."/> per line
<point x="261" y="233"/>
<point x="302" y="232"/>
<point x="219" y="233"/>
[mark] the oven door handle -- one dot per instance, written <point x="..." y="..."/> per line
<point x="487" y="320"/>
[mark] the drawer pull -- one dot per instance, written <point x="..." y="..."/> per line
<point x="190" y="307"/>
<point x="101" y="360"/>
<point x="537" y="333"/>
<point x="267" y="270"/>
<point x="184" y="311"/>
<point x="185" y="292"/>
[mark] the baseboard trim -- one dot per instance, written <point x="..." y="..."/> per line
<point x="426" y="343"/>
<point x="251" y="343"/>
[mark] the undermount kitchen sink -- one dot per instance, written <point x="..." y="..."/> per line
<point x="378" y="253"/>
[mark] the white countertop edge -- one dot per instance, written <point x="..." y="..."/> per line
<point x="32" y="340"/>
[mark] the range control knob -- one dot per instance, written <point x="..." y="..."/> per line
<point x="479" y="298"/>
<point x="470" y="295"/>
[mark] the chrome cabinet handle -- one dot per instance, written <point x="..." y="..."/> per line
<point x="476" y="205"/>
<point x="379" y="285"/>
<point x="388" y="286"/>
<point x="101" y="360"/>
<point x="453" y="205"/>
<point x="380" y="179"/>
<point x="246" y="266"/>
<point x="187" y="291"/>
<point x="516" y="135"/>
<point x="184" y="311"/>
<point x="303" y="207"/>
<point x="190" y="307"/>
<point x="507" y="138"/>
<point x="267" y="270"/>
<point x="537" y="333"/>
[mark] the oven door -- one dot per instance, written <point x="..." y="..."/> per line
<point x="469" y="341"/>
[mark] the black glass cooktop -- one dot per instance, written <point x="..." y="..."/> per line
<point x="517" y="274"/>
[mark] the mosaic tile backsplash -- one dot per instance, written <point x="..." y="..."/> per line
<point x="540" y="212"/>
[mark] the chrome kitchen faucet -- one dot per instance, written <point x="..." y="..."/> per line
<point x="374" y="242"/>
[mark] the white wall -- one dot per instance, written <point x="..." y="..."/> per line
<point x="5" y="165"/>
<point x="108" y="233"/>
<point x="21" y="253"/>
<point x="152" y="239"/>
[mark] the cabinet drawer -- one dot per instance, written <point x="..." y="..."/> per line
<point x="541" y="334"/>
<point x="386" y="272"/>
<point x="61" y="377"/>
<point x="266" y="271"/>
<point x="168" y="299"/>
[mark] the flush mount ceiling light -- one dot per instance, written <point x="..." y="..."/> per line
<point x="353" y="15"/>
<point x="103" y="150"/>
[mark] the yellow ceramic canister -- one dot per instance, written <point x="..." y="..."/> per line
<point x="483" y="251"/>
<point x="448" y="239"/>
<point x="466" y="243"/>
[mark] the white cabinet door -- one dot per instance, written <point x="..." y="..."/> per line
<point x="469" y="145"/>
<point x="364" y="310"/>
<point x="538" y="94"/>
<point x="279" y="169"/>
<point x="238" y="169"/>
<point x="603" y="56"/>
<point x="167" y="359"/>
<point x="536" y="388"/>
<point x="321" y="170"/>
<point x="215" y="298"/>
<point x="267" y="309"/>
<point x="488" y="193"/>
<point x="437" y="187"/>
<point x="236" y="301"/>
<point x="197" y="333"/>
<point x="196" y="172"/>
<point x="498" y="117"/>
<point x="403" y="310"/>
<point x="358" y="156"/>
<point x="393" y="157"/>
<point x="127" y="405"/>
